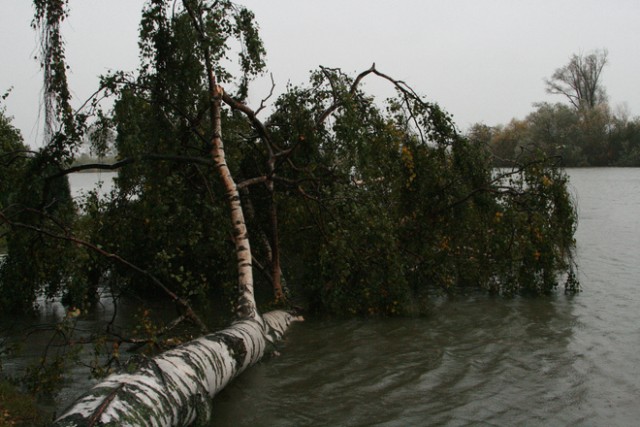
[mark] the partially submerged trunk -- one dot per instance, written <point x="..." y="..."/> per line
<point x="176" y="388"/>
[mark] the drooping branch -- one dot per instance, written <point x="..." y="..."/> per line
<point x="63" y="128"/>
<point x="339" y="103"/>
<point x="491" y="186"/>
<point x="181" y="302"/>
<point x="7" y="158"/>
<point x="409" y="96"/>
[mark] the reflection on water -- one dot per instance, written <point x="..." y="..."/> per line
<point x="476" y="360"/>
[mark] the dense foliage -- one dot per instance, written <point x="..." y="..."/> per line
<point x="401" y="204"/>
<point x="36" y="264"/>
<point x="13" y="152"/>
<point x="371" y="205"/>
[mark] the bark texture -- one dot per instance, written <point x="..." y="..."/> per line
<point x="176" y="388"/>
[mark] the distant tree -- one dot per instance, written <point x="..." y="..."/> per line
<point x="585" y="133"/>
<point x="594" y="135"/>
<point x="554" y="128"/>
<point x="480" y="133"/>
<point x="579" y="80"/>
<point x="505" y="142"/>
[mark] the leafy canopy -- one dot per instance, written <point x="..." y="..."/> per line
<point x="373" y="206"/>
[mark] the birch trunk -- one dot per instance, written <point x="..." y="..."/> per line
<point x="246" y="306"/>
<point x="176" y="388"/>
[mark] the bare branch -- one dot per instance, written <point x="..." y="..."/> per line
<point x="263" y="101"/>
<point x="337" y="104"/>
<point x="252" y="181"/>
<point x="579" y="80"/>
<point x="407" y="92"/>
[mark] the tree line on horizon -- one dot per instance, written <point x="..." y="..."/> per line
<point x="585" y="131"/>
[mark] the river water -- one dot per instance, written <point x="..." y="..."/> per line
<point x="476" y="360"/>
<point x="559" y="360"/>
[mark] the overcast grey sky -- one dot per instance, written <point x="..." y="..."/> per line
<point x="482" y="60"/>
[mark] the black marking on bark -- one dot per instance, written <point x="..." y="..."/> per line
<point x="202" y="358"/>
<point x="218" y="369"/>
<point x="202" y="406"/>
<point x="237" y="347"/>
<point x="140" y="413"/>
<point x="105" y="403"/>
<point x="139" y="361"/>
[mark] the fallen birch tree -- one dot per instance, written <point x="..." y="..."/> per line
<point x="176" y="388"/>
<point x="429" y="171"/>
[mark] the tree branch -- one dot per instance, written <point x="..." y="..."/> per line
<point x="407" y="92"/>
<point x="262" y="102"/>
<point x="175" y="298"/>
<point x="130" y="160"/>
<point x="337" y="104"/>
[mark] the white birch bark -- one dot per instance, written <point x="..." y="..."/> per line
<point x="246" y="306"/>
<point x="176" y="388"/>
